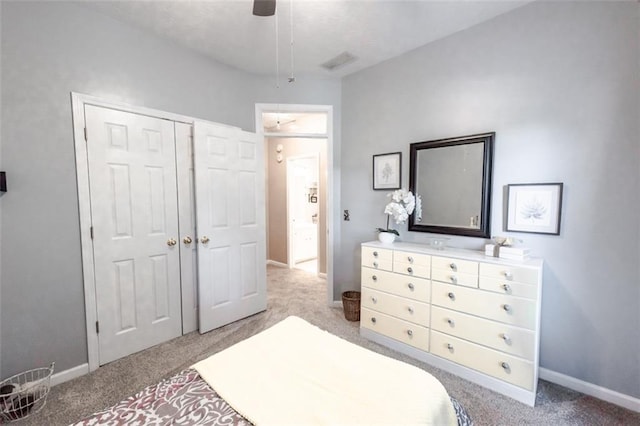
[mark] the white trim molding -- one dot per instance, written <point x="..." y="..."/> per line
<point x="590" y="389"/>
<point x="277" y="264"/>
<point x="70" y="374"/>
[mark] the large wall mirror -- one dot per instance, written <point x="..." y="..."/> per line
<point x="453" y="179"/>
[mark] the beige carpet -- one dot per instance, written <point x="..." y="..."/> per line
<point x="295" y="292"/>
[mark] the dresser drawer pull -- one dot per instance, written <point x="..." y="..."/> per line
<point x="375" y="264"/>
<point x="375" y="254"/>
<point x="508" y="275"/>
<point x="373" y="320"/>
<point x="411" y="286"/>
<point x="410" y="309"/>
<point x="451" y="296"/>
<point x="506" y="288"/>
<point x="410" y="333"/>
<point x="506" y="338"/>
<point x="410" y="259"/>
<point x="451" y="322"/>
<point x="374" y="300"/>
<point x="454" y="279"/>
<point x="505" y="366"/>
<point x="450" y="346"/>
<point x="410" y="270"/>
<point x="453" y="266"/>
<point x="507" y="308"/>
<point x="374" y="278"/>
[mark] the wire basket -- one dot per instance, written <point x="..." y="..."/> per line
<point x="351" y="305"/>
<point x="24" y="394"/>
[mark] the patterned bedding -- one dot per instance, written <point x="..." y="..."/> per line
<point x="185" y="399"/>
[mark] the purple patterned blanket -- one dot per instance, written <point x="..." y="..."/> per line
<point x="185" y="399"/>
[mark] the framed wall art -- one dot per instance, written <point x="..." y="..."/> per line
<point x="534" y="208"/>
<point x="386" y="170"/>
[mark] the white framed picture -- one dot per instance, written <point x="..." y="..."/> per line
<point x="534" y="207"/>
<point x="386" y="170"/>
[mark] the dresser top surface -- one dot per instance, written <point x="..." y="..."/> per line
<point x="458" y="253"/>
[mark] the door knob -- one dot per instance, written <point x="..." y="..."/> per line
<point x="204" y="240"/>
<point x="187" y="240"/>
<point x="171" y="242"/>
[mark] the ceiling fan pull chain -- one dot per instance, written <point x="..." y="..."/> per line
<point x="292" y="79"/>
<point x="277" y="55"/>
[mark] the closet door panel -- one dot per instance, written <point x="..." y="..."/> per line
<point x="229" y="180"/>
<point x="187" y="223"/>
<point x="132" y="181"/>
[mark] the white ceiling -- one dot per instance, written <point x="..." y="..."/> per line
<point x="372" y="30"/>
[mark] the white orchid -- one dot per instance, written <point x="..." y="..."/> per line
<point x="402" y="204"/>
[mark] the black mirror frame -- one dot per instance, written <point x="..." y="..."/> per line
<point x="485" y="214"/>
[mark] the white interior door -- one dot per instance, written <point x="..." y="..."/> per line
<point x="230" y="215"/>
<point x="132" y="182"/>
<point x="302" y="208"/>
<point x="187" y="224"/>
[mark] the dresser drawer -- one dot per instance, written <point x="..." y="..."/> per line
<point x="503" y="337"/>
<point x="400" y="285"/>
<point x="397" y="329"/>
<point x="502" y="286"/>
<point x="508" y="309"/>
<point x="458" y="278"/>
<point x="510" y="273"/>
<point x="497" y="364"/>
<point x="416" y="264"/>
<point x="400" y="307"/>
<point x="411" y="269"/>
<point x="455" y="265"/>
<point x="377" y="258"/>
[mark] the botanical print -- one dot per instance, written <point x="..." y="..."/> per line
<point x="533" y="208"/>
<point x="387" y="172"/>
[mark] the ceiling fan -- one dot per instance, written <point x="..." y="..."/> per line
<point x="264" y="7"/>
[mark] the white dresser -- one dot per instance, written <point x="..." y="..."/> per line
<point x="462" y="311"/>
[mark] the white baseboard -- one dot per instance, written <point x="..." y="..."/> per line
<point x="322" y="275"/>
<point x="590" y="389"/>
<point x="278" y="264"/>
<point x="72" y="373"/>
<point x="337" y="304"/>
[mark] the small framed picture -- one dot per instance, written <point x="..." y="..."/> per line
<point x="534" y="208"/>
<point x="386" y="170"/>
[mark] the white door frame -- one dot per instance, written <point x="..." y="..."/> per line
<point x="290" y="231"/>
<point x="78" y="101"/>
<point x="333" y="175"/>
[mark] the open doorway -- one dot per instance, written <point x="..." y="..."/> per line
<point x="303" y="212"/>
<point x="298" y="203"/>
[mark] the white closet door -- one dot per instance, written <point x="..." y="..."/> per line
<point x="132" y="180"/>
<point x="187" y="223"/>
<point x="230" y="212"/>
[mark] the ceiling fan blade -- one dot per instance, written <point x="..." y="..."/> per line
<point x="264" y="7"/>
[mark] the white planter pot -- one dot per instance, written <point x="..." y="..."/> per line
<point x="386" y="237"/>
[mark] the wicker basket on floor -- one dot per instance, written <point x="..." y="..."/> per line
<point x="24" y="394"/>
<point x="351" y="305"/>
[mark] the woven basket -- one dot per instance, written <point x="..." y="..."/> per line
<point x="24" y="394"/>
<point x="351" y="305"/>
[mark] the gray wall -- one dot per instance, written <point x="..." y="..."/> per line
<point x="50" y="49"/>
<point x="559" y="84"/>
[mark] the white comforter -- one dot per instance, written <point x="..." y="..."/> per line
<point x="297" y="374"/>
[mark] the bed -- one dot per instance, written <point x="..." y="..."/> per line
<point x="293" y="373"/>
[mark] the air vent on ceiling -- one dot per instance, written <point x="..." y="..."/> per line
<point x="339" y="61"/>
